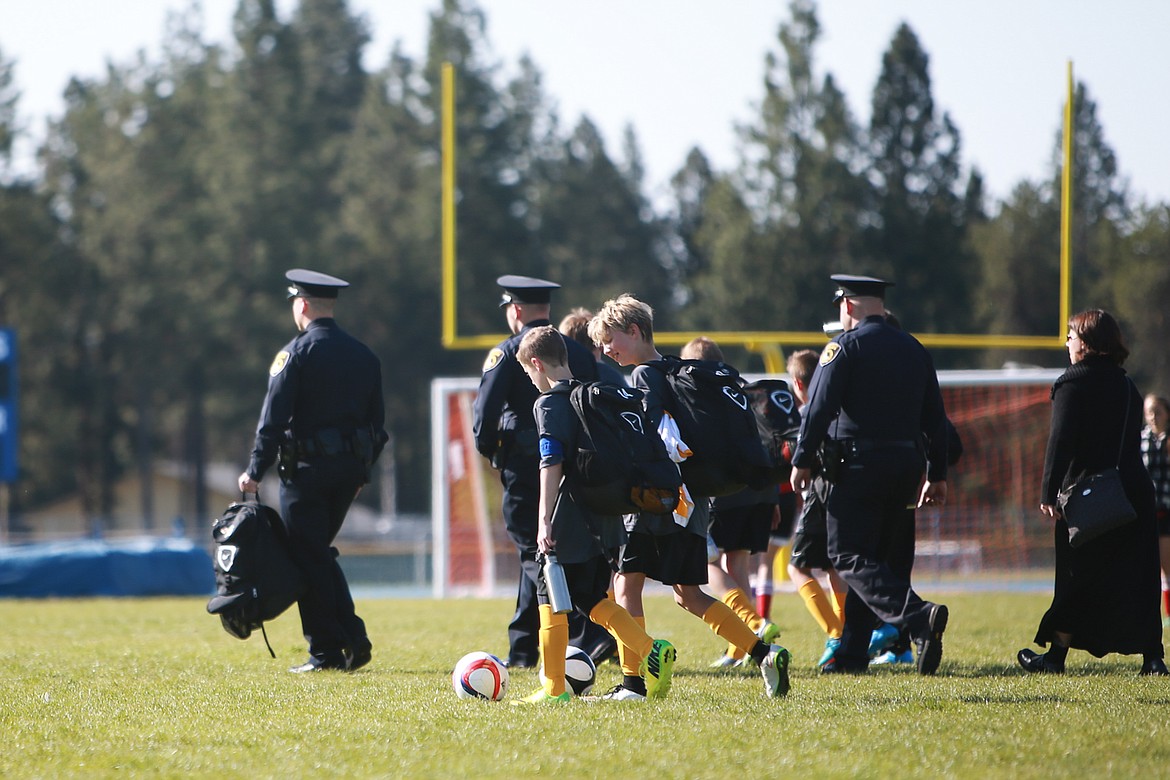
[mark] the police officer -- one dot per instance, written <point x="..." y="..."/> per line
<point x="873" y="403"/>
<point x="505" y="433"/>
<point x="323" y="419"/>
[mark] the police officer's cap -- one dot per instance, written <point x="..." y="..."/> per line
<point x="313" y="284"/>
<point x="525" y="289"/>
<point x="849" y="286"/>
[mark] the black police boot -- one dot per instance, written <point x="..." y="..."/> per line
<point x="360" y="657"/>
<point x="1038" y="663"/>
<point x="930" y="645"/>
<point x="1154" y="667"/>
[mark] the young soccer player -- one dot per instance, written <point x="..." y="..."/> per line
<point x="810" y="543"/>
<point x="578" y="538"/>
<point x="666" y="548"/>
<point x="739" y="526"/>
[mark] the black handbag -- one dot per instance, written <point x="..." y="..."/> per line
<point x="1097" y="504"/>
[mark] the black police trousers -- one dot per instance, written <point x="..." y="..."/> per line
<point x="871" y="544"/>
<point x="313" y="503"/>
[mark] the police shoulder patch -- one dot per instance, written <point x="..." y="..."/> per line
<point x="278" y="363"/>
<point x="832" y="349"/>
<point x="493" y="359"/>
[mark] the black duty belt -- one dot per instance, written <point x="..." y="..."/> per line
<point x="311" y="448"/>
<point x="857" y="446"/>
<point x="331" y="442"/>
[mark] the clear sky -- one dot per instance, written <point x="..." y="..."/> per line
<point x="683" y="72"/>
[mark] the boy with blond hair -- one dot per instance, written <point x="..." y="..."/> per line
<point x="578" y="538"/>
<point x="666" y="548"/>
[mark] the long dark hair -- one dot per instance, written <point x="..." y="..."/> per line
<point x="1099" y="334"/>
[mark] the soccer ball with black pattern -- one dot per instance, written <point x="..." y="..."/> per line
<point x="580" y="671"/>
<point x="480" y="675"/>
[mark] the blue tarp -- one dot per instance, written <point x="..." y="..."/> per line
<point x="144" y="566"/>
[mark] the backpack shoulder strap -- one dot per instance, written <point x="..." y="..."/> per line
<point x="667" y="364"/>
<point x="579" y="400"/>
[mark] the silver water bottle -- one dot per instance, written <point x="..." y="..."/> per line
<point x="558" y="590"/>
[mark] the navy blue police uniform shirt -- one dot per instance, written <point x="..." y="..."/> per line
<point x="506" y="395"/>
<point x="323" y="378"/>
<point x="874" y="383"/>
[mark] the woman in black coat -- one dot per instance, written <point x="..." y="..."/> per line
<point x="1106" y="597"/>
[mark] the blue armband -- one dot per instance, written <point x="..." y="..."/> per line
<point x="550" y="447"/>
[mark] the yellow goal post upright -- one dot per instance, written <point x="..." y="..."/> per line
<point x="460" y="483"/>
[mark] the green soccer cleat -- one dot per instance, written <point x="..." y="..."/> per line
<point x="774" y="668"/>
<point x="539" y="696"/>
<point x="768" y="632"/>
<point x="657" y="669"/>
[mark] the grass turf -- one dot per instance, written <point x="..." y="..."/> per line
<point x="93" y="688"/>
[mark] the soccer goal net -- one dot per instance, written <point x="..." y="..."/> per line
<point x="990" y="531"/>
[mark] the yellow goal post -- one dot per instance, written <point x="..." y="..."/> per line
<point x="765" y="343"/>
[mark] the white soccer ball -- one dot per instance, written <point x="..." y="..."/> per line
<point x="580" y="671"/>
<point x="480" y="675"/>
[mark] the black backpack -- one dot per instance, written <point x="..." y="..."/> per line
<point x="256" y="578"/>
<point x="715" y="420"/>
<point x="621" y="465"/>
<point x="777" y="420"/>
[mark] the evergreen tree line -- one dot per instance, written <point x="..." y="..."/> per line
<point x="143" y="265"/>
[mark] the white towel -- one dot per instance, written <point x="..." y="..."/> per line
<point x="686" y="506"/>
<point x="676" y="448"/>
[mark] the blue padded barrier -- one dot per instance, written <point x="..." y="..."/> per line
<point x="143" y="566"/>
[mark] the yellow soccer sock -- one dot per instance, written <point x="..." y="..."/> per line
<point x="629" y="657"/>
<point x="554" y="641"/>
<point x="838" y="597"/>
<point x="819" y="607"/>
<point x="742" y="606"/>
<point x="726" y="624"/>
<point x="629" y="631"/>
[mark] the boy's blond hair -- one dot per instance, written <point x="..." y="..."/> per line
<point x="801" y="365"/>
<point x="701" y="348"/>
<point x="546" y="345"/>
<point x="622" y="313"/>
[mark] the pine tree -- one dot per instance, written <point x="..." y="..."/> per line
<point x="920" y="237"/>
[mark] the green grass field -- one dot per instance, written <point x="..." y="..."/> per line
<point x="95" y="688"/>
